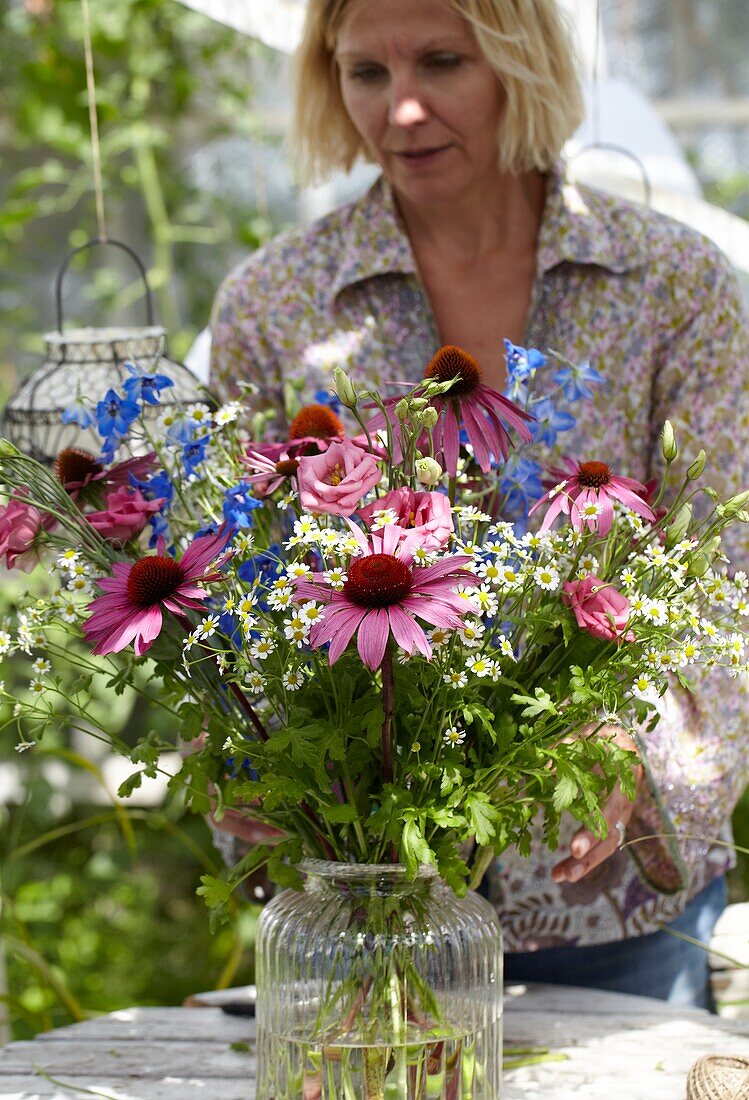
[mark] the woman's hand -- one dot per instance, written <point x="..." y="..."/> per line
<point x="242" y="825"/>
<point x="587" y="850"/>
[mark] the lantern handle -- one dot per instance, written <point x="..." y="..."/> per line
<point x="90" y="244"/>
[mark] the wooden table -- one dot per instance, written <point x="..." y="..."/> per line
<point x="616" y="1048"/>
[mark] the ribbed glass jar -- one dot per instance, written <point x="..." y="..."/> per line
<point x="374" y="987"/>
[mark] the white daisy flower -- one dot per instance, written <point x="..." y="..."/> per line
<point x="208" y="627"/>
<point x="655" y="611"/>
<point x="489" y="571"/>
<point x="40" y="667"/>
<point x="299" y="570"/>
<point x="286" y="502"/>
<point x="546" y="577"/>
<point x="627" y="578"/>
<point x="740" y="581"/>
<point x="6" y="642"/>
<point x="199" y="413"/>
<point x="438" y="636"/>
<point x="509" y="577"/>
<point x="642" y="686"/>
<point x="262" y="649"/>
<point x="293" y="679"/>
<point x="281" y="598"/>
<point x="192" y="638"/>
<point x="383" y="517"/>
<point x="255" y="681"/>
<point x="24" y="746"/>
<point x="243" y="542"/>
<point x="455" y="679"/>
<point x="37" y="687"/>
<point x="424" y="557"/>
<point x="246" y="605"/>
<point x="347" y="546"/>
<point x="69" y="612"/>
<point x="227" y="414"/>
<point x="487" y="602"/>
<point x="81" y="585"/>
<point x="690" y="651"/>
<point x="504" y="645"/>
<point x="469" y="514"/>
<point x="471" y="633"/>
<point x="310" y="612"/>
<point x="67" y="559"/>
<point x="336" y="578"/>
<point x="453" y="736"/>
<point x="478" y="665"/>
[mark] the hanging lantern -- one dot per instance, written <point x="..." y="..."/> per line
<point x="83" y="364"/>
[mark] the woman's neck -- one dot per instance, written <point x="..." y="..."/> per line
<point x="504" y="215"/>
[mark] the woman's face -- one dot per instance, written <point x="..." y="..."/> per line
<point x="421" y="94"/>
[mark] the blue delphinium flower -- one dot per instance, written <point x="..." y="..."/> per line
<point x="238" y="506"/>
<point x="78" y="413"/>
<point x="576" y="380"/>
<point x="264" y="568"/>
<point x="327" y="397"/>
<point x="159" y="530"/>
<point x="114" y="415"/>
<point x="522" y="364"/>
<point x="158" y="487"/>
<point x="145" y="387"/>
<point x="549" y="421"/>
<point x="194" y="452"/>
<point x="521" y="486"/>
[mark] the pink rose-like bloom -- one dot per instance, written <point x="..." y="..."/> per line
<point x="427" y="516"/>
<point x="336" y="482"/>
<point x="599" y="608"/>
<point x="126" y="514"/>
<point x="20" y="524"/>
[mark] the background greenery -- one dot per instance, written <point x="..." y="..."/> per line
<point x="98" y="908"/>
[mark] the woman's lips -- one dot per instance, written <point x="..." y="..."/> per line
<point x="417" y="157"/>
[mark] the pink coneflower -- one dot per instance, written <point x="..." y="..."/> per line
<point x="587" y="496"/>
<point x="131" y="609"/>
<point x="470" y="405"/>
<point x="383" y="593"/>
<point x="268" y="472"/>
<point x="77" y="469"/>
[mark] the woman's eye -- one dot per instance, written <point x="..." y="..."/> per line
<point x="444" y="60"/>
<point x="367" y="74"/>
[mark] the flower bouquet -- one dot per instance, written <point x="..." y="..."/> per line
<point x="375" y="641"/>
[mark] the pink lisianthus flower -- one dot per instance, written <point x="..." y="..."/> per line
<point x="126" y="514"/>
<point x="384" y="594"/>
<point x="336" y="482"/>
<point x="269" y="469"/>
<point x="599" y="608"/>
<point x="137" y="594"/>
<point x="587" y="496"/>
<point x="20" y="525"/>
<point x="426" y="516"/>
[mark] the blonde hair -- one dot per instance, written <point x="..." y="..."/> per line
<point x="526" y="42"/>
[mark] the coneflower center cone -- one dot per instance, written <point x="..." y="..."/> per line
<point x="73" y="464"/>
<point x="593" y="475"/>
<point x="288" y="467"/>
<point x="453" y="362"/>
<point x="317" y="421"/>
<point x="152" y="580"/>
<point x="379" y="580"/>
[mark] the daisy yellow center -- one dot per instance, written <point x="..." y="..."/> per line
<point x="152" y="580"/>
<point x="73" y="465"/>
<point x="317" y="421"/>
<point x="287" y="467"/>
<point x="379" y="580"/>
<point x="594" y="475"/>
<point x="452" y="362"/>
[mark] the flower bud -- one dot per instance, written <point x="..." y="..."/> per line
<point x="734" y="504"/>
<point x="429" y="417"/>
<point x="668" y="442"/>
<point x="344" y="389"/>
<point x="428" y="471"/>
<point x="678" y="526"/>
<point x="418" y="403"/>
<point x="7" y="450"/>
<point x="401" y="410"/>
<point x="695" y="470"/>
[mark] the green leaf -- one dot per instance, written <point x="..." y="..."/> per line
<point x="339" y="814"/>
<point x="131" y="784"/>
<point x="414" y="846"/>
<point x="565" y="793"/>
<point x="485" y="819"/>
<point x="215" y="891"/>
<point x="540" y="705"/>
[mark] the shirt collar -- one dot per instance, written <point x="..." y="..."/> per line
<point x="375" y="241"/>
<point x="583" y="226"/>
<point x="578" y="226"/>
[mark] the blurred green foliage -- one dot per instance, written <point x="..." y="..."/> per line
<point x="170" y="83"/>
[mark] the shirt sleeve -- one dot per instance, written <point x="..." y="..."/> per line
<point x="696" y="759"/>
<point x="241" y="349"/>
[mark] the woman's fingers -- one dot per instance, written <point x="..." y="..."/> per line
<point x="245" y="828"/>
<point x="589" y="851"/>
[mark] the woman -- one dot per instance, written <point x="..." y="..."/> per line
<point x="473" y="235"/>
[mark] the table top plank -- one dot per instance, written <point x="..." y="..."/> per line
<point x="625" y="1048"/>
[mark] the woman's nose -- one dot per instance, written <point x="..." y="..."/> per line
<point x="407" y="108"/>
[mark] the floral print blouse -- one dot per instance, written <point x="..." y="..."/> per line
<point x="656" y="309"/>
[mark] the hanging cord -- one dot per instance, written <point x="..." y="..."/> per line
<point x="93" y="122"/>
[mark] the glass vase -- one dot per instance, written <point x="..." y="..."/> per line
<point x="371" y="986"/>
